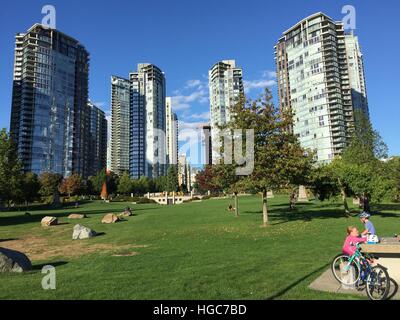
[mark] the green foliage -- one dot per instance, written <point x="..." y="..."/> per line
<point x="277" y="152"/>
<point x="366" y="144"/>
<point x="125" y="184"/>
<point x="279" y="160"/>
<point x="95" y="183"/>
<point x="172" y="179"/>
<point x="30" y="187"/>
<point x="359" y="171"/>
<point x="49" y="183"/>
<point x="11" y="177"/>
<point x="159" y="184"/>
<point x="323" y="182"/>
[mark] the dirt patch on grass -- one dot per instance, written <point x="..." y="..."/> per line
<point x="41" y="248"/>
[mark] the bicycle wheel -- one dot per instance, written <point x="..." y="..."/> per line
<point x="345" y="272"/>
<point x="378" y="283"/>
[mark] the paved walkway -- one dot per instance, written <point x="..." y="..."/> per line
<point x="327" y="283"/>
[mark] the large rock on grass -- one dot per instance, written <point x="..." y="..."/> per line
<point x="13" y="261"/>
<point x="110" y="218"/>
<point x="82" y="232"/>
<point x="127" y="212"/>
<point x="77" y="216"/>
<point x="49" y="221"/>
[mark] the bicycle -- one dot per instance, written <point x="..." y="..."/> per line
<point x="357" y="270"/>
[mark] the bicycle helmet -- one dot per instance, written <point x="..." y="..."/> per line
<point x="364" y="215"/>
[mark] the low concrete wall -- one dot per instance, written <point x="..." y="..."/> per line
<point x="388" y="254"/>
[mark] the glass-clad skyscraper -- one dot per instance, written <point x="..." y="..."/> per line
<point x="50" y="118"/>
<point x="120" y="124"/>
<point x="98" y="140"/>
<point x="226" y="86"/>
<point x="321" y="79"/>
<point x="138" y="123"/>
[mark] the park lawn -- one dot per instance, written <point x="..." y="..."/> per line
<point x="195" y="250"/>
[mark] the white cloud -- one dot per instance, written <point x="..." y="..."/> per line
<point x="200" y="116"/>
<point x="193" y="83"/>
<point x="183" y="102"/>
<point x="257" y="84"/>
<point x="269" y="74"/>
<point x="268" y="79"/>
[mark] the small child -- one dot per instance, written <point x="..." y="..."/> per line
<point x="353" y="237"/>
<point x="369" y="226"/>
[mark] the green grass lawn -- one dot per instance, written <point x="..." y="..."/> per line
<point x="191" y="251"/>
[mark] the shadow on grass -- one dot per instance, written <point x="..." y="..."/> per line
<point x="9" y="239"/>
<point x="317" y="210"/>
<point x="56" y="264"/>
<point x="284" y="215"/>
<point x="297" y="282"/>
<point x="22" y="219"/>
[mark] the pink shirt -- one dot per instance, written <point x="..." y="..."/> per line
<point x="349" y="246"/>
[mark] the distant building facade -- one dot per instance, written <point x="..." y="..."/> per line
<point x="172" y="130"/>
<point x="120" y="124"/>
<point x="98" y="140"/>
<point x="226" y="86"/>
<point x="138" y="120"/>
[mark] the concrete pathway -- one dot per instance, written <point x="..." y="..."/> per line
<point x="327" y="283"/>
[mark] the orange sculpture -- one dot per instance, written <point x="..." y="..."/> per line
<point x="104" y="193"/>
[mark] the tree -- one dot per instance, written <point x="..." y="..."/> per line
<point x="360" y="168"/>
<point x="11" y="177"/>
<point x="172" y="179"/>
<point x="72" y="185"/>
<point x="125" y="184"/>
<point x="323" y="183"/>
<point x="224" y="176"/>
<point x="95" y="183"/>
<point x="394" y="172"/>
<point x="49" y="186"/>
<point x="278" y="156"/>
<point x="158" y="184"/>
<point x="30" y="188"/>
<point x="112" y="180"/>
<point x="366" y="144"/>
<point x="205" y="180"/>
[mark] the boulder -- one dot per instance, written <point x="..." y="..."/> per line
<point x="110" y="218"/>
<point x="49" y="221"/>
<point x="77" y="216"/>
<point x="13" y="261"/>
<point x="82" y="232"/>
<point x="127" y="212"/>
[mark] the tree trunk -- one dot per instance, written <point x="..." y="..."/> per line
<point x="344" y="199"/>
<point x="265" y="208"/>
<point x="292" y="200"/>
<point x="236" y="205"/>
<point x="366" y="206"/>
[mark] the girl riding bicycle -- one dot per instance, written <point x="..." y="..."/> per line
<point x="353" y="237"/>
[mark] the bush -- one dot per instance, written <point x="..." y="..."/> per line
<point x="144" y="201"/>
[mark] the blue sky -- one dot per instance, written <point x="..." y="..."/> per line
<point x="186" y="37"/>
